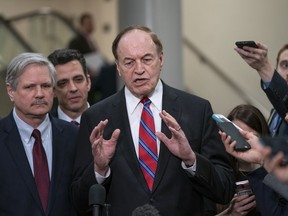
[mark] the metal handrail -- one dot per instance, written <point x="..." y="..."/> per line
<point x="222" y="75"/>
<point x="217" y="70"/>
<point x="44" y="11"/>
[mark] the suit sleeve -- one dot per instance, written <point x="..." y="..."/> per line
<point x="277" y="93"/>
<point x="214" y="176"/>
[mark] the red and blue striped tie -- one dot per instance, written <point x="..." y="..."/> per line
<point x="148" y="156"/>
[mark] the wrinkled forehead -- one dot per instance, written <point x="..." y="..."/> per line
<point x="135" y="37"/>
<point x="136" y="41"/>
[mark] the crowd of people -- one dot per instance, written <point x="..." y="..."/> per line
<point x="155" y="149"/>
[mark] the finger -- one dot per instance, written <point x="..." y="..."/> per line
<point x="115" y="135"/>
<point x="262" y="46"/>
<point x="162" y="137"/>
<point x="286" y="117"/>
<point x="94" y="133"/>
<point x="98" y="130"/>
<point x="163" y="117"/>
<point x="175" y="132"/>
<point x="266" y="151"/>
<point x="170" y="120"/>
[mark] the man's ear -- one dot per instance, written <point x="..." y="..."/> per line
<point x="10" y="92"/>
<point x="161" y="59"/>
<point x="88" y="82"/>
<point x="117" y="65"/>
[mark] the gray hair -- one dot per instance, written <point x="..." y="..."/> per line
<point x="18" y="64"/>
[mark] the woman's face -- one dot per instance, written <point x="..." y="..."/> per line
<point x="244" y="126"/>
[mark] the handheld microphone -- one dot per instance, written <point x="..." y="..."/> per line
<point x="97" y="196"/>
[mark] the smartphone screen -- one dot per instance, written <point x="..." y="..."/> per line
<point x="243" y="187"/>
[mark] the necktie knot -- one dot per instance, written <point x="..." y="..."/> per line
<point x="36" y="134"/>
<point x="146" y="101"/>
<point x="75" y="122"/>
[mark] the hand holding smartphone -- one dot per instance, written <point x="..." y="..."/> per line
<point x="243" y="187"/>
<point x="241" y="44"/>
<point x="231" y="130"/>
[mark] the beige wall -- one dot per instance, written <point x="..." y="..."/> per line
<point x="212" y="26"/>
<point x="104" y="11"/>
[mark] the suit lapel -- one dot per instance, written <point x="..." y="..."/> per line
<point x="171" y="105"/>
<point x="58" y="146"/>
<point x="126" y="146"/>
<point x="16" y="150"/>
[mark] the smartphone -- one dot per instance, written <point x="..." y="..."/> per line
<point x="222" y="118"/>
<point x="241" y="44"/>
<point x="231" y="130"/>
<point x="243" y="187"/>
<point x="278" y="143"/>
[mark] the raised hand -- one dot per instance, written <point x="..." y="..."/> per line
<point x="178" y="143"/>
<point x="103" y="150"/>
<point x="257" y="58"/>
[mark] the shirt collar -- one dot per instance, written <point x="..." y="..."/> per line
<point x="65" y="117"/>
<point x="26" y="130"/>
<point x="155" y="97"/>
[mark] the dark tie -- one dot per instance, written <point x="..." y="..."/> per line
<point x="41" y="172"/>
<point x="148" y="157"/>
<point x="75" y="123"/>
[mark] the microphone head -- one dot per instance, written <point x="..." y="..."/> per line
<point x="97" y="195"/>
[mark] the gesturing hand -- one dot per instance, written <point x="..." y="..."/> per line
<point x="178" y="143"/>
<point x="103" y="150"/>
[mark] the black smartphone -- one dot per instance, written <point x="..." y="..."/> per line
<point x="278" y="143"/>
<point x="233" y="132"/>
<point x="241" y="44"/>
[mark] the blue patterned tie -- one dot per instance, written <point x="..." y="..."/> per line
<point x="148" y="156"/>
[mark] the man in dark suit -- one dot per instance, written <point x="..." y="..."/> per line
<point x="36" y="150"/>
<point x="273" y="82"/>
<point x="72" y="84"/>
<point x="191" y="162"/>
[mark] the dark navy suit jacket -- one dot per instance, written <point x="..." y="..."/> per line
<point x="277" y="93"/>
<point x="18" y="192"/>
<point x="175" y="192"/>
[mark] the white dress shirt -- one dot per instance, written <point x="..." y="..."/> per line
<point x="134" y="110"/>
